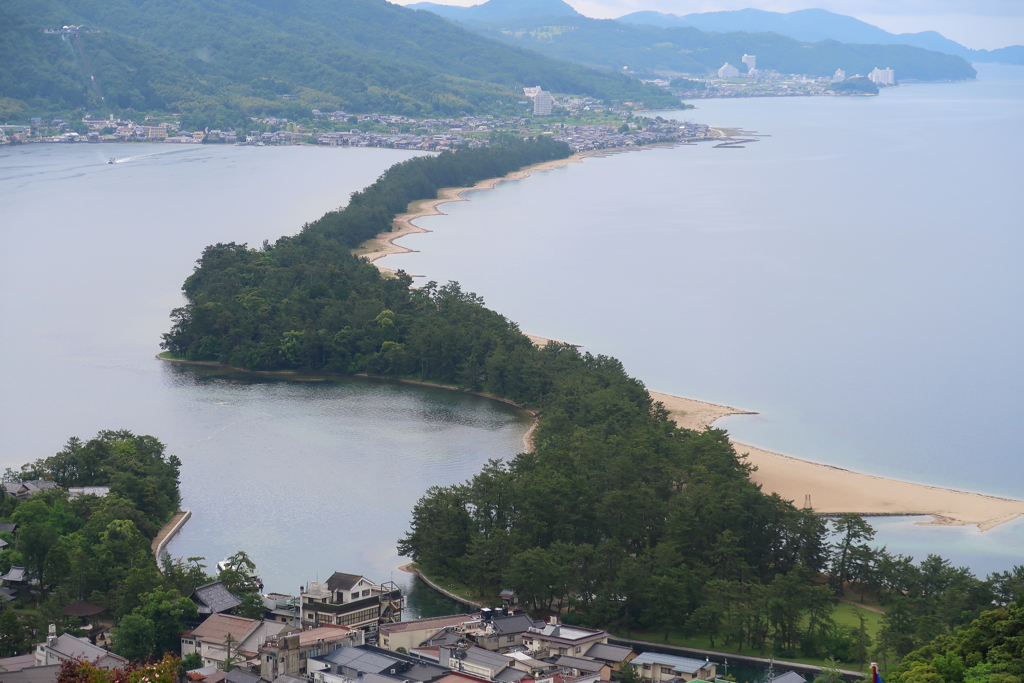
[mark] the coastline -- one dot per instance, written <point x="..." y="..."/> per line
<point x="296" y="376"/>
<point x="836" y="490"/>
<point x="833" y="490"/>
<point x="168" y="532"/>
<point x="384" y="244"/>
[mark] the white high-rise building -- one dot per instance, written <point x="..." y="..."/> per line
<point x="728" y="71"/>
<point x="839" y="76"/>
<point x="751" y="62"/>
<point x="542" y="103"/>
<point x="882" y="76"/>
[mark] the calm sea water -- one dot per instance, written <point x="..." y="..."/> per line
<point x="308" y="477"/>
<point x="855" y="278"/>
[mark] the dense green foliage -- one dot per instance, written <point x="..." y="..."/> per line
<point x="989" y="650"/>
<point x="228" y="59"/>
<point x="99" y="548"/>
<point x="856" y="85"/>
<point x="612" y="44"/>
<point x="306" y="302"/>
<point x="94" y="547"/>
<point x="616" y="514"/>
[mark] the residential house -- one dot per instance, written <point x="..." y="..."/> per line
<point x="224" y="636"/>
<point x="98" y="491"/>
<point x="214" y="598"/>
<point x="14" y="576"/>
<point x="612" y="655"/>
<point x="350" y="600"/>
<point x="27" y="489"/>
<point x="574" y="667"/>
<point x="366" y="662"/>
<point x="495" y="630"/>
<point x="788" y="677"/>
<point x="655" y="667"/>
<point x="281" y="607"/>
<point x="411" y="634"/>
<point x="288" y="652"/>
<point x="58" y="649"/>
<point x="561" y="639"/>
<point x="476" y="661"/>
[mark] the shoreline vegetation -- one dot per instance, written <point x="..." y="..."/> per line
<point x="833" y="490"/>
<point x="615" y="512"/>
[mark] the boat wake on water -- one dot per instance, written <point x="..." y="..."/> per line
<point x="115" y="160"/>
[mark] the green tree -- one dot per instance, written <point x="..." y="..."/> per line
<point x="12" y="634"/>
<point x="628" y="674"/>
<point x="134" y="637"/>
<point x="852" y="531"/>
<point x="252" y="606"/>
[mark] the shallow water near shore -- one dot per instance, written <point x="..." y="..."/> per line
<point x="309" y="477"/>
<point x="855" y="278"/>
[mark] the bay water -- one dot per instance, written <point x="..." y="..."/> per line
<point x="308" y="477"/>
<point x="855" y="278"/>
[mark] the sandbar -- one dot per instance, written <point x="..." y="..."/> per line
<point x="384" y="244"/>
<point x="835" y="490"/>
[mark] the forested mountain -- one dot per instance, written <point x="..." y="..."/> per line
<point x="280" y="57"/>
<point x="612" y="45"/>
<point x="616" y="515"/>
<point x="813" y="25"/>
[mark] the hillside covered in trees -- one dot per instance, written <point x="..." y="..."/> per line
<point x="617" y="517"/>
<point x="236" y="58"/>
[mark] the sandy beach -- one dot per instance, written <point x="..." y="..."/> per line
<point x="834" y="490"/>
<point x="384" y="244"/>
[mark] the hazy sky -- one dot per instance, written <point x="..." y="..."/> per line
<point x="979" y="24"/>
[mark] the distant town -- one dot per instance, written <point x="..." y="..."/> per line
<point x="730" y="81"/>
<point x="582" y="123"/>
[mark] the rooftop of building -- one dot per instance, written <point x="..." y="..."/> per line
<point x="589" y="665"/>
<point x="429" y="624"/>
<point x="609" y="653"/>
<point x="569" y="633"/>
<point x="342" y="582"/>
<point x="685" y="665"/>
<point x="69" y="646"/>
<point x="213" y="598"/>
<point x="218" y="626"/>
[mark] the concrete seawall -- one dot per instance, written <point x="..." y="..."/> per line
<point x="444" y="592"/>
<point x="168" y="532"/>
<point x="777" y="664"/>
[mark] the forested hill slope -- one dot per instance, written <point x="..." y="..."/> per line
<point x="246" y="55"/>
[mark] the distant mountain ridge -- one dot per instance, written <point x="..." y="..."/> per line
<point x="560" y="31"/>
<point x="814" y="25"/>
